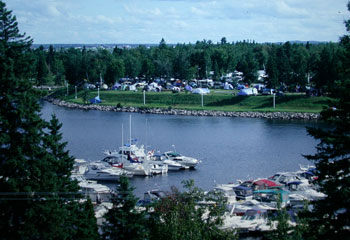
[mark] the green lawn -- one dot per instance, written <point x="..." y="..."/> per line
<point x="216" y="100"/>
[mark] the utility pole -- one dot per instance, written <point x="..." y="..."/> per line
<point x="76" y="92"/>
<point x="202" y="99"/>
<point x="144" y="97"/>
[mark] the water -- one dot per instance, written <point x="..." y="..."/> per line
<point x="229" y="148"/>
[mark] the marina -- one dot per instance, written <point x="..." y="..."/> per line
<point x="230" y="149"/>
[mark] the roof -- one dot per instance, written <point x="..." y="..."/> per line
<point x="266" y="182"/>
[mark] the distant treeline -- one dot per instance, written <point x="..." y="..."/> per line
<point x="287" y="65"/>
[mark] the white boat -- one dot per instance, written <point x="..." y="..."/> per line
<point x="186" y="162"/>
<point x="161" y="159"/>
<point x="251" y="221"/>
<point x="308" y="193"/>
<point x="101" y="172"/>
<point x="241" y="207"/>
<point x="97" y="192"/>
<point x="100" y="210"/>
<point x="227" y="192"/>
<point x="79" y="167"/>
<point x="135" y="167"/>
<point x="138" y="169"/>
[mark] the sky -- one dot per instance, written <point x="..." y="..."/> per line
<point x="179" y="21"/>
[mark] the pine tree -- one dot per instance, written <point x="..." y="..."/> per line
<point x="124" y="221"/>
<point x="179" y="216"/>
<point x="330" y="217"/>
<point x="38" y="197"/>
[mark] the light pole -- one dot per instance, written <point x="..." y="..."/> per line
<point x="144" y="97"/>
<point x="202" y="99"/>
<point x="76" y="92"/>
<point x="274" y="100"/>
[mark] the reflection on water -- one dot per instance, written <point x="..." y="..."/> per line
<point x="229" y="148"/>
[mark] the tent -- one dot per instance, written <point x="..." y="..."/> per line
<point x="95" y="100"/>
<point x="248" y="92"/>
<point x="201" y="91"/>
<point x="188" y="88"/>
<point x="228" y="86"/>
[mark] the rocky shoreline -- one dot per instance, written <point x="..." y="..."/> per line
<point x="268" y="115"/>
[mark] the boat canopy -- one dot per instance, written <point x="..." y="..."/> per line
<point x="265" y="183"/>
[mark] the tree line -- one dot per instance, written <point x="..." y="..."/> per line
<point x="287" y="65"/>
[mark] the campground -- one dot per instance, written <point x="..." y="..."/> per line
<point x="216" y="100"/>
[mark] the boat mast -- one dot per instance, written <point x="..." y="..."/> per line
<point x="122" y="141"/>
<point x="130" y="129"/>
<point x="146" y="137"/>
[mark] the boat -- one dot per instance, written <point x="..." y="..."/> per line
<point x="285" y="177"/>
<point x="100" y="211"/>
<point x="79" y="167"/>
<point x="244" y="190"/>
<point x="186" y="162"/>
<point x="241" y="207"/>
<point x="300" y="191"/>
<point x="228" y="193"/>
<point x="161" y="159"/>
<point x="252" y="221"/>
<point x="271" y="197"/>
<point x="96" y="192"/>
<point x="101" y="172"/>
<point x="131" y="164"/>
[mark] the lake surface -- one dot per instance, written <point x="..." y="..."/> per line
<point x="229" y="148"/>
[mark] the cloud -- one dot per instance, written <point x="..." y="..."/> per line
<point x="179" y="20"/>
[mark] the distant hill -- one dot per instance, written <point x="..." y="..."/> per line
<point x="94" y="46"/>
<point x="127" y="45"/>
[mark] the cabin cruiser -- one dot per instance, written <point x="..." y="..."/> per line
<point x="228" y="193"/>
<point x="161" y="159"/>
<point x="241" y="207"/>
<point x="79" y="167"/>
<point x="99" y="171"/>
<point x="97" y="192"/>
<point x="286" y="177"/>
<point x="137" y="168"/>
<point x="300" y="192"/>
<point x="100" y="211"/>
<point x="270" y="197"/>
<point x="129" y="151"/>
<point x="251" y="221"/>
<point x="186" y="162"/>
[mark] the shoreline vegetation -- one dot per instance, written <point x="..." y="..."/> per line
<point x="288" y="107"/>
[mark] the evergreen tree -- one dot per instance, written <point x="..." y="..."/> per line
<point x="330" y="217"/>
<point x="124" y="221"/>
<point x="34" y="167"/>
<point x="189" y="215"/>
<point x="272" y="71"/>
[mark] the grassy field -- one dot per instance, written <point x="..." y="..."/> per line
<point x="216" y="100"/>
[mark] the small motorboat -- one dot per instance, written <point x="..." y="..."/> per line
<point x="101" y="172"/>
<point x="186" y="162"/>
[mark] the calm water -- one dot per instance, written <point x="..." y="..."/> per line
<point x="229" y="148"/>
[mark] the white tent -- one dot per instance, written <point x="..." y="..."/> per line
<point x="248" y="92"/>
<point x="200" y="91"/>
<point x="228" y="86"/>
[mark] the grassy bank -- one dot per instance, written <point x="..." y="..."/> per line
<point x="217" y="100"/>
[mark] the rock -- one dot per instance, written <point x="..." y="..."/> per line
<point x="268" y="115"/>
